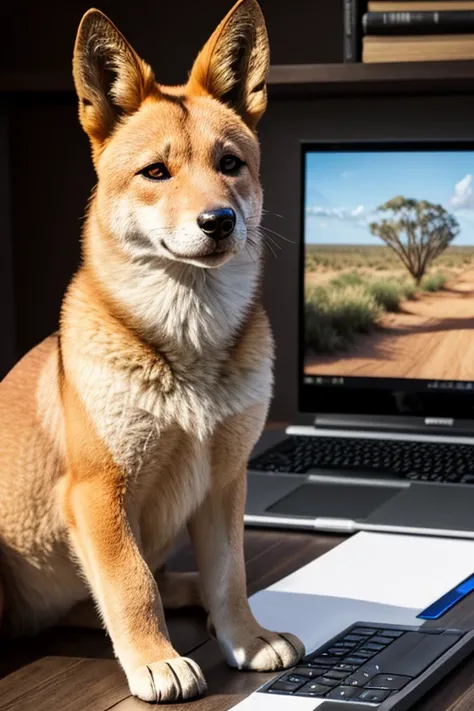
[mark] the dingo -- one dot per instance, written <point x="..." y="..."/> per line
<point x="136" y="419"/>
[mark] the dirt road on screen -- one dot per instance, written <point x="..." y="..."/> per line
<point x="431" y="338"/>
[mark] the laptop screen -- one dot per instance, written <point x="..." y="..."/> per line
<point x="388" y="268"/>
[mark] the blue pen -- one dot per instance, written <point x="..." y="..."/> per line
<point x="449" y="600"/>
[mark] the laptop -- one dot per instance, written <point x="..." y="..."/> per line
<point x="383" y="667"/>
<point x="384" y="437"/>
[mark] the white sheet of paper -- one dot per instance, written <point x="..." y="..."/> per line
<point x="272" y="702"/>
<point x="371" y="577"/>
<point x="407" y="571"/>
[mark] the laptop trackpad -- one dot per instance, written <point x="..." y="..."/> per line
<point x="435" y="507"/>
<point x="330" y="500"/>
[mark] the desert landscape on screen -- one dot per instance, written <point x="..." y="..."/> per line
<point x="389" y="287"/>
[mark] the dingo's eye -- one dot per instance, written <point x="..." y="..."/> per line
<point x="230" y="165"/>
<point x="156" y="171"/>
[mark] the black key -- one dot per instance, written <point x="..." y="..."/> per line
<point x="345" y="645"/>
<point x="381" y="640"/>
<point x="388" y="681"/>
<point x="373" y="647"/>
<point x="366" y="652"/>
<point x="287" y="445"/>
<point x="337" y="652"/>
<point x="323" y="661"/>
<point x="283" y="686"/>
<point x="362" y="676"/>
<point x="354" y="638"/>
<point x="334" y="674"/>
<point x="327" y="681"/>
<point x="298" y="679"/>
<point x="451" y="477"/>
<point x="311" y="672"/>
<point x="345" y="667"/>
<point x="343" y="692"/>
<point x="391" y="633"/>
<point x="314" y="689"/>
<point x="356" y="661"/>
<point x="364" y="631"/>
<point x="375" y="696"/>
<point x="414" y="652"/>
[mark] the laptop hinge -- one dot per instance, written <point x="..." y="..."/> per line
<point x="386" y="423"/>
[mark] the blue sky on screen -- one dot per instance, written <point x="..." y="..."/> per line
<point x="343" y="191"/>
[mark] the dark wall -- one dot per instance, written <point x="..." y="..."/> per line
<point x="39" y="36"/>
<point x="7" y="316"/>
<point x="52" y="177"/>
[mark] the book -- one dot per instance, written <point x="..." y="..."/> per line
<point x="419" y="5"/>
<point x="353" y="11"/>
<point x="427" y="48"/>
<point x="423" y="23"/>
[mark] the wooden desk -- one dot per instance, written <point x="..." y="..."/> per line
<point x="74" y="670"/>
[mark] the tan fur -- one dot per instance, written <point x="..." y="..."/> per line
<point x="138" y="418"/>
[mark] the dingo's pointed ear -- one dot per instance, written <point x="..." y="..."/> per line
<point x="111" y="80"/>
<point x="233" y="65"/>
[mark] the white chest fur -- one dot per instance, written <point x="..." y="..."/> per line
<point x="130" y="415"/>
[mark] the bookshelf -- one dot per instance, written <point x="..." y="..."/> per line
<point x="303" y="81"/>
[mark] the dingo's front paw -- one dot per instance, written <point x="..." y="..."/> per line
<point x="169" y="680"/>
<point x="269" y="651"/>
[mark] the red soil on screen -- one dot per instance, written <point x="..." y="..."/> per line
<point x="431" y="338"/>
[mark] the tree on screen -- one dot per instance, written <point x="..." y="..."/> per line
<point x="417" y="231"/>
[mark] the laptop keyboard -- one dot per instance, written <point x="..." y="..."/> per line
<point x="365" y="664"/>
<point x="423" y="461"/>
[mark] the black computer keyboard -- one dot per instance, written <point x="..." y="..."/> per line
<point x="375" y="664"/>
<point x="425" y="461"/>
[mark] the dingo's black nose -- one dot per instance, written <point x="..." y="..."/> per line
<point x="218" y="223"/>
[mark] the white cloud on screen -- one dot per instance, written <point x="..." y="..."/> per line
<point x="340" y="213"/>
<point x="358" y="211"/>
<point x="357" y="217"/>
<point x="463" y="195"/>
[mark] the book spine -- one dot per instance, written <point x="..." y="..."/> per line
<point x="413" y="23"/>
<point x="352" y="30"/>
<point x="348" y="47"/>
